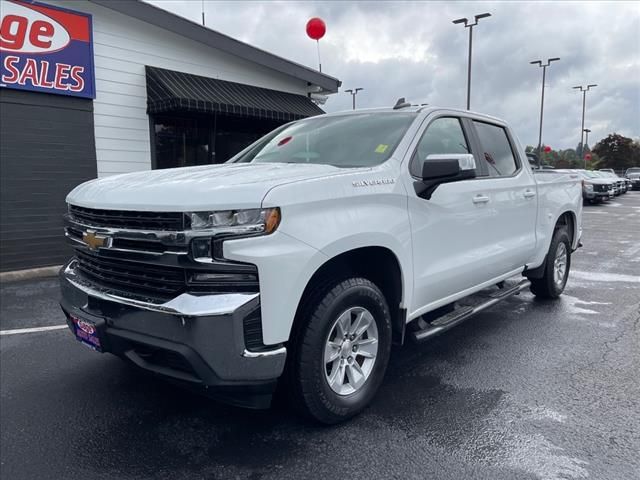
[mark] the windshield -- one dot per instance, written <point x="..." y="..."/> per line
<point x="633" y="170"/>
<point x="358" y="140"/>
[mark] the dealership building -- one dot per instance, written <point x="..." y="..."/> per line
<point x="91" y="88"/>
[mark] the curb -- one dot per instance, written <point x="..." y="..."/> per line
<point x="29" y="274"/>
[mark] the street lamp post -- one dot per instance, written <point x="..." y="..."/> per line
<point x="586" y="142"/>
<point x="470" y="27"/>
<point x="584" y="91"/>
<point x="353" y="93"/>
<point x="586" y="137"/>
<point x="544" y="76"/>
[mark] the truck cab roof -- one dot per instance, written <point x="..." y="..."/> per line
<point x="425" y="109"/>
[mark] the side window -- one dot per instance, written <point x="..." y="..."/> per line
<point x="496" y="150"/>
<point x="443" y="135"/>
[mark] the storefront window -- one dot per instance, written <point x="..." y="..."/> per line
<point x="184" y="141"/>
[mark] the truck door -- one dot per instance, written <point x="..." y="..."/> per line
<point x="512" y="193"/>
<point x="451" y="232"/>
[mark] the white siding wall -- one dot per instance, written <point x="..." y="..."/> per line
<point x="122" y="48"/>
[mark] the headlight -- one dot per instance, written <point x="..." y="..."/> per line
<point x="588" y="187"/>
<point x="255" y="220"/>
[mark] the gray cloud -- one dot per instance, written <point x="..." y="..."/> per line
<point x="412" y="49"/>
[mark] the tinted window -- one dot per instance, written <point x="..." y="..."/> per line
<point x="358" y="140"/>
<point x="496" y="150"/>
<point x="443" y="135"/>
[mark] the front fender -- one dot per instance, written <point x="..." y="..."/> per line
<point x="323" y="218"/>
<point x="286" y="265"/>
<point x="402" y="252"/>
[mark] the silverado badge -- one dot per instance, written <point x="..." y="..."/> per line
<point x="371" y="183"/>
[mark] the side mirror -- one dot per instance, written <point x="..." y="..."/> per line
<point x="449" y="166"/>
<point x="444" y="168"/>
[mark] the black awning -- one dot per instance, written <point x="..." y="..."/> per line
<point x="168" y="90"/>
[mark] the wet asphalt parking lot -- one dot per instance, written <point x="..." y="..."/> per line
<point x="528" y="389"/>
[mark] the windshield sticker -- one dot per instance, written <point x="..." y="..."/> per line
<point x="381" y="148"/>
<point x="284" y="141"/>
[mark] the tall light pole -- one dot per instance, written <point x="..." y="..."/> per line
<point x="584" y="91"/>
<point x="586" y="135"/>
<point x="544" y="76"/>
<point x="470" y="27"/>
<point x="353" y="93"/>
<point x="586" y="142"/>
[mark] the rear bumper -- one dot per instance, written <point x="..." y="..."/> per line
<point x="198" y="341"/>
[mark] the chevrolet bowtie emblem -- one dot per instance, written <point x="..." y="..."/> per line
<point x="94" y="241"/>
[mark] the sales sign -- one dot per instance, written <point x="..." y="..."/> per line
<point x="46" y="49"/>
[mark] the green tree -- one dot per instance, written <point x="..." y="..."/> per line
<point x="617" y="152"/>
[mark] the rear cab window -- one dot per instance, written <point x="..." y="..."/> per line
<point x="496" y="150"/>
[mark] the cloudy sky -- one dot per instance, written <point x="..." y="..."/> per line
<point x="412" y="49"/>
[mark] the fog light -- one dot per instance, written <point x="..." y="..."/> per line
<point x="201" y="248"/>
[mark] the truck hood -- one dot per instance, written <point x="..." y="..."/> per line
<point x="209" y="187"/>
<point x="599" y="181"/>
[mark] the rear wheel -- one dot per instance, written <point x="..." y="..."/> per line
<point x="557" y="265"/>
<point x="341" y="351"/>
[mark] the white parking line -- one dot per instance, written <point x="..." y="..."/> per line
<point x="605" y="277"/>
<point x="32" y="330"/>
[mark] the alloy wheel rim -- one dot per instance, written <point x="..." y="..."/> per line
<point x="350" y="351"/>
<point x="560" y="265"/>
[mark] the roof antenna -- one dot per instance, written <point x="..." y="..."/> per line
<point x="401" y="103"/>
<point x="203" y="13"/>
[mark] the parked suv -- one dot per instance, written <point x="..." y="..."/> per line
<point x="313" y="250"/>
<point x="595" y="189"/>
<point x="621" y="183"/>
<point x="633" y="174"/>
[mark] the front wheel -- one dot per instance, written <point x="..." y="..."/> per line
<point x="557" y="265"/>
<point x="341" y="351"/>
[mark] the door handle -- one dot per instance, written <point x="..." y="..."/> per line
<point x="480" y="199"/>
<point x="529" y="194"/>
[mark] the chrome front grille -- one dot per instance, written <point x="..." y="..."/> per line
<point x="168" y="221"/>
<point x="148" y="255"/>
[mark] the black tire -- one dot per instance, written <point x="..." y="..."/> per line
<point x="306" y="379"/>
<point x="546" y="287"/>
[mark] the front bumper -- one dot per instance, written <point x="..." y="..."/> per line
<point x="596" y="195"/>
<point x="197" y="340"/>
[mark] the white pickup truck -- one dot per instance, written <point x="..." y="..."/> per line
<point x="313" y="250"/>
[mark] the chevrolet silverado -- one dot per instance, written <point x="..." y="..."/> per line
<point x="300" y="261"/>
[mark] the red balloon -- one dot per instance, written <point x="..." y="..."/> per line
<point x="547" y="149"/>
<point x="316" y="28"/>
